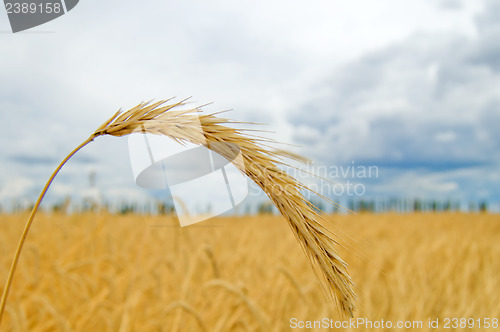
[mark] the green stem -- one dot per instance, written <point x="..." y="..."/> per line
<point x="28" y="226"/>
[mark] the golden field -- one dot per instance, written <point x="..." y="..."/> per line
<point x="99" y="272"/>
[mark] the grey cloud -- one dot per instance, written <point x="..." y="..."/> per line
<point x="487" y="49"/>
<point x="488" y="19"/>
<point x="428" y="165"/>
<point x="258" y="64"/>
<point x="451" y="4"/>
<point x="429" y="103"/>
<point x="33" y="160"/>
<point x="402" y="98"/>
<point x="490" y="121"/>
<point x="487" y="52"/>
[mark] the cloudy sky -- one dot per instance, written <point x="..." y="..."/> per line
<point x="410" y="87"/>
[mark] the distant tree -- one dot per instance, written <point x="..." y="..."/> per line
<point x="57" y="207"/>
<point x="165" y="208"/>
<point x="366" y="206"/>
<point x="483" y="206"/>
<point x="126" y="208"/>
<point x="265" y="208"/>
<point x="417" y="205"/>
<point x="351" y="205"/>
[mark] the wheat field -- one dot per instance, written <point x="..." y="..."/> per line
<point x="101" y="272"/>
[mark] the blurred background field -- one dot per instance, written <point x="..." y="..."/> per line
<point x="103" y="272"/>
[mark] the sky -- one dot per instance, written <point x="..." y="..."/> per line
<point x="410" y="89"/>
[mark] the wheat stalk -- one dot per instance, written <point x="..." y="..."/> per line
<point x="258" y="162"/>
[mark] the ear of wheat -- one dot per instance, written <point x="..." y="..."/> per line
<point x="258" y="162"/>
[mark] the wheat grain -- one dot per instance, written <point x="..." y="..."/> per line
<point x="258" y="162"/>
<point x="261" y="165"/>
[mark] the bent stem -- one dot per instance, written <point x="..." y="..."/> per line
<point x="28" y="226"/>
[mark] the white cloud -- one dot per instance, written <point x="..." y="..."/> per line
<point x="445" y="137"/>
<point x="428" y="103"/>
<point x="262" y="59"/>
<point x="15" y="188"/>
